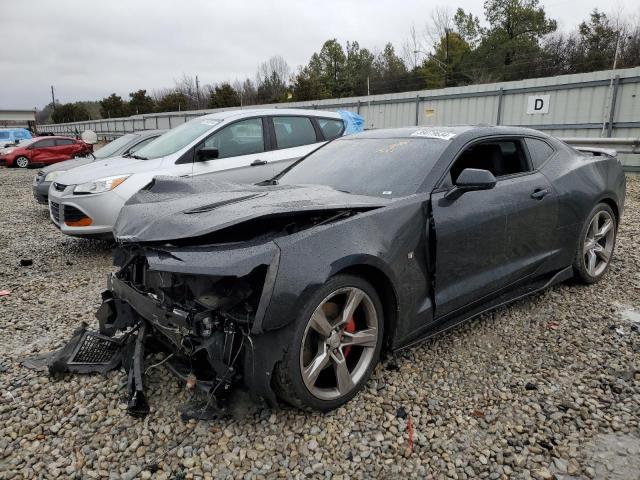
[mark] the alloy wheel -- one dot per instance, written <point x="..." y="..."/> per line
<point x="339" y="343"/>
<point x="22" y="162"/>
<point x="598" y="243"/>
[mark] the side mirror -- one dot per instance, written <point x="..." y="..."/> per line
<point x="472" y="179"/>
<point x="207" y="153"/>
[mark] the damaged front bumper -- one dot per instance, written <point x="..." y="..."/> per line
<point x="201" y="308"/>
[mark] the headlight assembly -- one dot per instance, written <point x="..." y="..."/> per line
<point x="50" y="177"/>
<point x="101" y="185"/>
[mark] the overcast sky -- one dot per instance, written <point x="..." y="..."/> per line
<point x="88" y="50"/>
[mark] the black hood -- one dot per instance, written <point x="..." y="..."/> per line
<point x="180" y="208"/>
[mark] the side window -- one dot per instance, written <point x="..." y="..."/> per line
<point x="240" y="138"/>
<point x="330" y="128"/>
<point x="49" y="142"/>
<point x="294" y="131"/>
<point x="539" y="151"/>
<point x="500" y="157"/>
<point x="137" y="147"/>
<point x="63" y="142"/>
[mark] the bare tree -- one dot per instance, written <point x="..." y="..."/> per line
<point x="413" y="49"/>
<point x="440" y="22"/>
<point x="272" y="79"/>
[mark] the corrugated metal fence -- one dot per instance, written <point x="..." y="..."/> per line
<point x="596" y="104"/>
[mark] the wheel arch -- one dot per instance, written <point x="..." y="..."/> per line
<point x="609" y="201"/>
<point x="385" y="290"/>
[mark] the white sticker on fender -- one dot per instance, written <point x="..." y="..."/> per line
<point x="433" y="133"/>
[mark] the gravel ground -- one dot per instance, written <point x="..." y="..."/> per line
<point x="548" y="387"/>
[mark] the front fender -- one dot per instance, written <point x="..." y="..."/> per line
<point x="390" y="239"/>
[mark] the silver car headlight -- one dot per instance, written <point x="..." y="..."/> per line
<point x="51" y="176"/>
<point x="101" y="185"/>
<point x="6" y="151"/>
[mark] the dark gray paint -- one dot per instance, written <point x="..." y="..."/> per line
<point x="434" y="262"/>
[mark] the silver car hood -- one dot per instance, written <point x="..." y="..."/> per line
<point x="66" y="165"/>
<point x="105" y="168"/>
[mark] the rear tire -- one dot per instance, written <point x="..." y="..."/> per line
<point x="21" y="162"/>
<point x="334" y="346"/>
<point x="596" y="245"/>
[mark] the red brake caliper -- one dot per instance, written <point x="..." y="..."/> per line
<point x="351" y="327"/>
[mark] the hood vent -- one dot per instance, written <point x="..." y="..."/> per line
<point x="213" y="206"/>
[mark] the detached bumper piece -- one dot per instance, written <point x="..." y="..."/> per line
<point x="131" y="325"/>
<point x="93" y="352"/>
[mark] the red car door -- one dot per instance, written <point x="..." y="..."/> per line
<point x="66" y="148"/>
<point x="43" y="151"/>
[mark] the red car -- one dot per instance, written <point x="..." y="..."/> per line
<point x="43" y="151"/>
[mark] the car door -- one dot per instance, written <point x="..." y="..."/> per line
<point x="488" y="240"/>
<point x="239" y="145"/>
<point x="65" y="148"/>
<point x="43" y="151"/>
<point x="294" y="136"/>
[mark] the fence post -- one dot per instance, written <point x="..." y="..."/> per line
<point x="358" y="108"/>
<point x="612" y="108"/>
<point x="499" y="116"/>
<point x="417" y="109"/>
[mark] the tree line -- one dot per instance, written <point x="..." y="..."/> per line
<point x="514" y="39"/>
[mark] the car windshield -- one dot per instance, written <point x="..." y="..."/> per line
<point x="28" y="141"/>
<point x="384" y="167"/>
<point x="111" y="148"/>
<point x="176" y="139"/>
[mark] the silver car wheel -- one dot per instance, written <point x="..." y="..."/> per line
<point x="22" y="162"/>
<point x="339" y="343"/>
<point x="598" y="243"/>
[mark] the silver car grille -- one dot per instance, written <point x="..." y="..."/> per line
<point x="55" y="211"/>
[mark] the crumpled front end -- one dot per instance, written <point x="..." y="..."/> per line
<point x="200" y="308"/>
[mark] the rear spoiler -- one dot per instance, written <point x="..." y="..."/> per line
<point x="597" y="152"/>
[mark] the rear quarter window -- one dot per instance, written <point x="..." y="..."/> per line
<point x="539" y="151"/>
<point x="331" y="128"/>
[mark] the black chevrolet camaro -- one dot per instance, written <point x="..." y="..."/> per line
<point x="292" y="288"/>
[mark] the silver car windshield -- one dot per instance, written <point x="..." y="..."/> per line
<point x="176" y="139"/>
<point x="112" y="148"/>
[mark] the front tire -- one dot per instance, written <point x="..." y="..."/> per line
<point x="334" y="346"/>
<point x="596" y="245"/>
<point x="21" y="162"/>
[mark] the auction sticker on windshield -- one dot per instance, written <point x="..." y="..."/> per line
<point x="433" y="133"/>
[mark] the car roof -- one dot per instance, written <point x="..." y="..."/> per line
<point x="44" y="137"/>
<point x="443" y="132"/>
<point x="228" y="114"/>
<point x="150" y="133"/>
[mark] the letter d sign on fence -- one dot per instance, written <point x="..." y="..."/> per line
<point x="537" y="104"/>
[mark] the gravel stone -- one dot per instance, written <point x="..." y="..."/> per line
<point x="464" y="390"/>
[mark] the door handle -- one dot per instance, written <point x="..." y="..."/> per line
<point x="255" y="163"/>
<point x="540" y="193"/>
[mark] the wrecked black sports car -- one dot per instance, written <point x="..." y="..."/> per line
<point x="291" y="289"/>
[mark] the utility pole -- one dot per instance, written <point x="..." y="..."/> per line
<point x="197" y="93"/>
<point x="613" y="73"/>
<point x="446" y="58"/>
<point x="53" y="98"/>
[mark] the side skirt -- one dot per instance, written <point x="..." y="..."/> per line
<point x="504" y="299"/>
